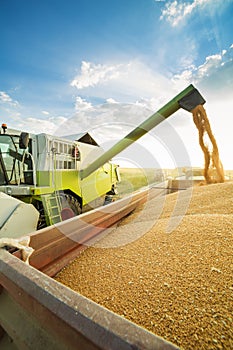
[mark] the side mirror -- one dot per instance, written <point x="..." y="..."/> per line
<point x="23" y="140"/>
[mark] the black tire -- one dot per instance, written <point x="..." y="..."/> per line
<point x="68" y="201"/>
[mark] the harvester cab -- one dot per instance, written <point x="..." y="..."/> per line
<point x="60" y="177"/>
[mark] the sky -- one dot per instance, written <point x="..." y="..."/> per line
<point x="70" y="66"/>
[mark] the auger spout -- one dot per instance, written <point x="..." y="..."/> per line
<point x="188" y="99"/>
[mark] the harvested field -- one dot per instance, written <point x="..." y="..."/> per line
<point x="177" y="285"/>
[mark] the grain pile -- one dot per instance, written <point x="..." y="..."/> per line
<point x="177" y="285"/>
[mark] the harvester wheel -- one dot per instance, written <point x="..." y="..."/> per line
<point x="70" y="206"/>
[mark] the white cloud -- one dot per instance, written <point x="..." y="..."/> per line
<point x="213" y="65"/>
<point x="111" y="100"/>
<point x="81" y="104"/>
<point x="6" y="99"/>
<point x="176" y="11"/>
<point x="45" y="112"/>
<point x="93" y="74"/>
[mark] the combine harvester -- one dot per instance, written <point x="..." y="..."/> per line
<point x="40" y="179"/>
<point x="45" y="180"/>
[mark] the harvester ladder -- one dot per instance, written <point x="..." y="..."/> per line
<point x="53" y="208"/>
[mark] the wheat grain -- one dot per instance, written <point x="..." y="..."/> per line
<point x="177" y="285"/>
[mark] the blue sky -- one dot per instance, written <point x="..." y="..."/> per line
<point x="69" y="66"/>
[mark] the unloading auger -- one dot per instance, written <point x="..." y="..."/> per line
<point x="188" y="99"/>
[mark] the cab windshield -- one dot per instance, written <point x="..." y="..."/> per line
<point x="12" y="161"/>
